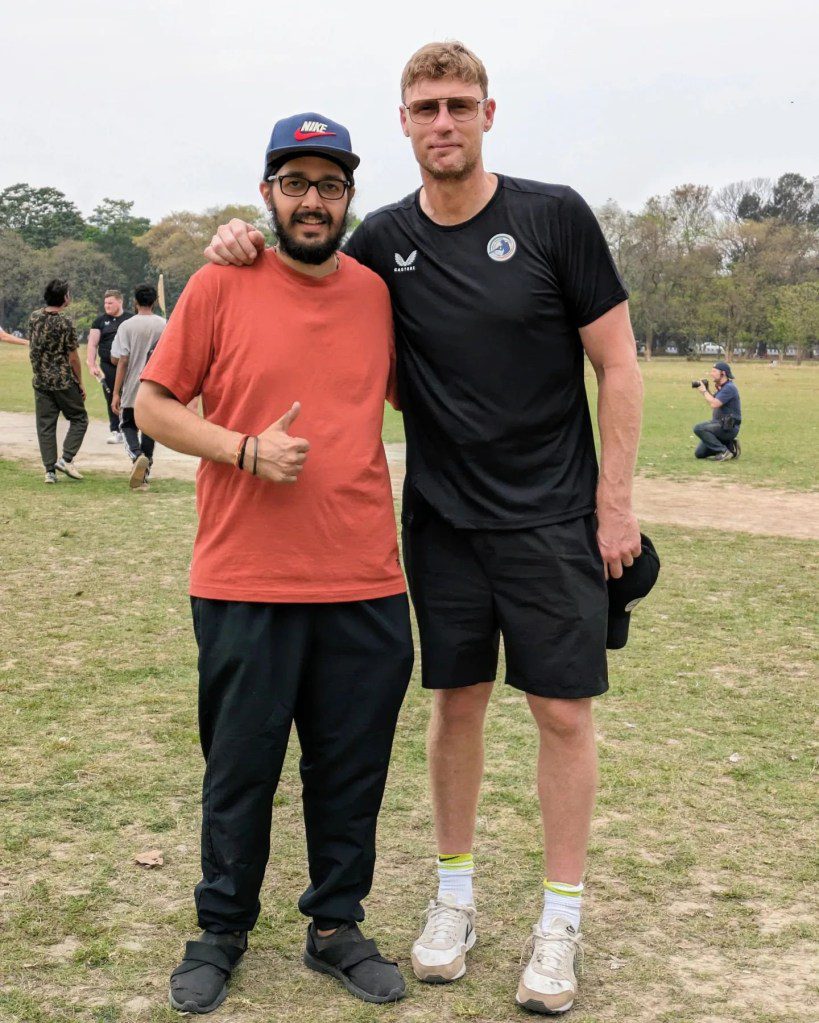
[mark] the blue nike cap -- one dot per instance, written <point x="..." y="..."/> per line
<point x="309" y="134"/>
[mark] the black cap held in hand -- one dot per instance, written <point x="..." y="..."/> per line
<point x="626" y="592"/>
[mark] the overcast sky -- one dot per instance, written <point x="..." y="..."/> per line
<point x="171" y="104"/>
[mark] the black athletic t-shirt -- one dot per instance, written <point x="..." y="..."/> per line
<point x="490" y="363"/>
<point x="108" y="326"/>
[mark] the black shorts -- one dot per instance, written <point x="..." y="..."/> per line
<point x="542" y="588"/>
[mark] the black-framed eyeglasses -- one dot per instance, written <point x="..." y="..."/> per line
<point x="460" y="108"/>
<point x="296" y="185"/>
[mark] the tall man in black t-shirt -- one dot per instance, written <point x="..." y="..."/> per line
<point x="100" y="339"/>
<point x="499" y="286"/>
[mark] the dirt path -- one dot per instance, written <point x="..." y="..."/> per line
<point x="734" y="507"/>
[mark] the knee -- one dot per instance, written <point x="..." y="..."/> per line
<point x="563" y="720"/>
<point x="464" y="708"/>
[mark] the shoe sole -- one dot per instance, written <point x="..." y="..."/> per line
<point x="437" y="978"/>
<point x="139" y="472"/>
<point x="535" y="1005"/>
<point x="316" y="964"/>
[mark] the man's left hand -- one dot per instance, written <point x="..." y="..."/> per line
<point x="702" y="389"/>
<point x="618" y="537"/>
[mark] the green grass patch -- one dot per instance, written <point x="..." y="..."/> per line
<point x="780" y="427"/>
<point x="701" y="854"/>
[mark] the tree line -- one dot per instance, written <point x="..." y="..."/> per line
<point x="44" y="235"/>
<point x="737" y="267"/>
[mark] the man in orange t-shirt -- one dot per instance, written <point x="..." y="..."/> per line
<point x="299" y="603"/>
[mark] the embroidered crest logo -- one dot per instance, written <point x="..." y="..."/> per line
<point x="501" y="247"/>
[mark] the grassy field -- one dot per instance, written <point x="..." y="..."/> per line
<point x="701" y="859"/>
<point x="780" y="425"/>
<point x="780" y="433"/>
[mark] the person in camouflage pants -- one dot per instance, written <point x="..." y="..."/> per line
<point x="57" y="381"/>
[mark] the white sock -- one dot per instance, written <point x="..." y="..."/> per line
<point x="562" y="900"/>
<point x="455" y="877"/>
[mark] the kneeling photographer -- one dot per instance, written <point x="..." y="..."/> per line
<point x="717" y="436"/>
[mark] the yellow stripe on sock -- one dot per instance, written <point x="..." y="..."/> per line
<point x="459" y="861"/>
<point x="558" y="888"/>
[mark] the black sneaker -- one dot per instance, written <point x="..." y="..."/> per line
<point x="199" y="983"/>
<point x="735" y="449"/>
<point x="354" y="960"/>
<point x="723" y="456"/>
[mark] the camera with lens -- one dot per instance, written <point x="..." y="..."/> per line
<point x="696" y="383"/>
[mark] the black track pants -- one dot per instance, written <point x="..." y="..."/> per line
<point x="109" y="373"/>
<point x="340" y="671"/>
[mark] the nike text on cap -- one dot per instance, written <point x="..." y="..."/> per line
<point x="309" y="135"/>
<point x="626" y="592"/>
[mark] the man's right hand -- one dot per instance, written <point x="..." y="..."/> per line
<point x="281" y="457"/>
<point x="235" y="244"/>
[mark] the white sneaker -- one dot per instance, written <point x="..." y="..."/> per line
<point x="139" y="472"/>
<point x="115" y="437"/>
<point x="68" y="468"/>
<point x="549" y="984"/>
<point x="50" y="476"/>
<point x="439" y="954"/>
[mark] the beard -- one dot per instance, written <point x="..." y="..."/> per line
<point x="456" y="173"/>
<point x="313" y="253"/>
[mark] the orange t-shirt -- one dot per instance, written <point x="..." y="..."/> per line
<point x="252" y="341"/>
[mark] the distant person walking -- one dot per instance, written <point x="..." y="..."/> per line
<point x="100" y="339"/>
<point x="132" y="347"/>
<point x="57" y="381"/>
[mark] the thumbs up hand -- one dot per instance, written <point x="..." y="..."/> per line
<point x="281" y="457"/>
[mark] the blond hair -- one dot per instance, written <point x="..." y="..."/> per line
<point x="450" y="59"/>
<point x="113" y="293"/>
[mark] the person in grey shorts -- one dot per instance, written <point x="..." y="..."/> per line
<point x="57" y="381"/>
